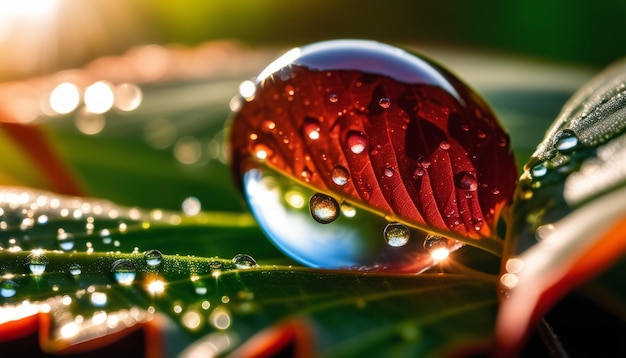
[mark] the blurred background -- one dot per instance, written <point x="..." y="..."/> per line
<point x="42" y="36"/>
<point x="122" y="99"/>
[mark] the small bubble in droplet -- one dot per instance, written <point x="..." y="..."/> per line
<point x="389" y="172"/>
<point x="396" y="234"/>
<point x="565" y="140"/>
<point x="324" y="209"/>
<point x="356" y="142"/>
<point x="37" y="262"/>
<point x="153" y="258"/>
<point x="466" y="181"/>
<point x="340" y="175"/>
<point x="244" y="261"/>
<point x="539" y="170"/>
<point x="444" y="145"/>
<point x="333" y="98"/>
<point x="75" y="269"/>
<point x="124" y="271"/>
<point x="8" y="288"/>
<point x="384" y="102"/>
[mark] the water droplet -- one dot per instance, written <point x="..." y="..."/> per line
<point x="333" y="98"/>
<point x="384" y="102"/>
<point x="437" y="247"/>
<point x="312" y="129"/>
<point x="539" y="170"/>
<point x="444" y="145"/>
<point x="481" y="134"/>
<point x="262" y="151"/>
<point x="466" y="181"/>
<point x="306" y="174"/>
<point x="340" y="175"/>
<point x="75" y="270"/>
<point x="565" y="140"/>
<point x="324" y="209"/>
<point x="289" y="91"/>
<point x="268" y="126"/>
<point x="244" y="261"/>
<point x="124" y="271"/>
<point x="396" y="234"/>
<point x="66" y="240"/>
<point x="215" y="265"/>
<point x="8" y="288"/>
<point x="191" y="206"/>
<point x="200" y="287"/>
<point x="389" y="171"/>
<point x="348" y="210"/>
<point x="37" y="262"/>
<point x="419" y="171"/>
<point x="153" y="258"/>
<point x="356" y="142"/>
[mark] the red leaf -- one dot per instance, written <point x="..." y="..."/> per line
<point x="419" y="146"/>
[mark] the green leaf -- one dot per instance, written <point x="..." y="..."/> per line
<point x="426" y="315"/>
<point x="569" y="207"/>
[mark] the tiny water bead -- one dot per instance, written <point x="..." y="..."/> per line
<point x="153" y="258"/>
<point x="324" y="209"/>
<point x="396" y="234"/>
<point x="75" y="270"/>
<point x="124" y="271"/>
<point x="376" y="126"/>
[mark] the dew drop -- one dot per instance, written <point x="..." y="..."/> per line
<point x="200" y="288"/>
<point x="437" y="247"/>
<point x="481" y="134"/>
<point x="466" y="181"/>
<point x="66" y="240"/>
<point x="306" y="174"/>
<point x="356" y="142"/>
<point x="153" y="258"/>
<point x="389" y="171"/>
<point x="262" y="151"/>
<point x="268" y="126"/>
<point x="384" y="102"/>
<point x="8" y="288"/>
<point x="396" y="234"/>
<point x="37" y="262"/>
<point x="75" y="270"/>
<point x="444" y="145"/>
<point x="565" y="140"/>
<point x="324" y="209"/>
<point x="244" y="261"/>
<point x="340" y="175"/>
<point x="539" y="170"/>
<point x="312" y="129"/>
<point x="124" y="271"/>
<point x="348" y="210"/>
<point x="333" y="98"/>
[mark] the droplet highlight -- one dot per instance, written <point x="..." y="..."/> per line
<point x="437" y="247"/>
<point x="466" y="181"/>
<point x="384" y="102"/>
<point x="356" y="142"/>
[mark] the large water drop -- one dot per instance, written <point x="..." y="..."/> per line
<point x="8" y="288"/>
<point x="340" y="175"/>
<point x="244" y="261"/>
<point x="37" y="262"/>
